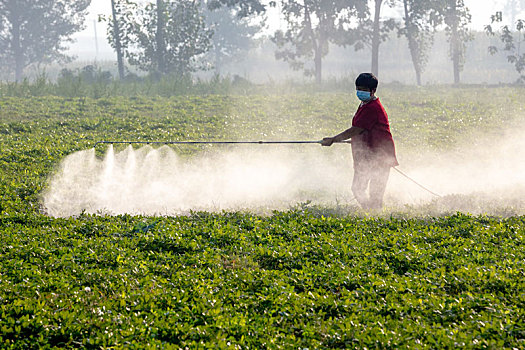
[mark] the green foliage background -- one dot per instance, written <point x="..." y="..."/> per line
<point x="300" y="278"/>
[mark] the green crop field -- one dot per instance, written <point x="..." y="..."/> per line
<point x="308" y="277"/>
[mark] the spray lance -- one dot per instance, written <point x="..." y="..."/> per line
<point x="210" y="142"/>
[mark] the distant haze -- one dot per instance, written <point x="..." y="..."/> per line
<point x="480" y="10"/>
<point x="259" y="65"/>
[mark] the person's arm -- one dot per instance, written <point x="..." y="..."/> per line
<point x="345" y="135"/>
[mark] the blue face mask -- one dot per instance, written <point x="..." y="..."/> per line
<point x="363" y="95"/>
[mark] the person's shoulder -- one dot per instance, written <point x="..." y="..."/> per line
<point x="376" y="101"/>
<point x="376" y="104"/>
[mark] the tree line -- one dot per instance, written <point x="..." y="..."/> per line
<point x="179" y="37"/>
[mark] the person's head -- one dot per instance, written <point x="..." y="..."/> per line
<point x="366" y="85"/>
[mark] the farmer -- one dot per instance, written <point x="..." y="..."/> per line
<point x="373" y="148"/>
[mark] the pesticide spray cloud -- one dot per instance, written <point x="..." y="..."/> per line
<point x="158" y="182"/>
<point x="485" y="175"/>
<point x="151" y="181"/>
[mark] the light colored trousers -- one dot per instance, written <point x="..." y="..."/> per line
<point x="371" y="175"/>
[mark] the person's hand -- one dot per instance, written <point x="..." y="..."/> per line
<point x="327" y="141"/>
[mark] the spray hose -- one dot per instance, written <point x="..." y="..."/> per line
<point x="417" y="183"/>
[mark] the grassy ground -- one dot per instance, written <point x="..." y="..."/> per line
<point x="301" y="278"/>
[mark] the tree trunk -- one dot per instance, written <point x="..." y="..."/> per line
<point x="18" y="54"/>
<point x="412" y="43"/>
<point x="118" y="44"/>
<point x="318" y="66"/>
<point x="457" y="79"/>
<point x="217" y="59"/>
<point x="418" y="75"/>
<point x="454" y="42"/>
<point x="316" y="44"/>
<point x="159" y="37"/>
<point x="376" y="40"/>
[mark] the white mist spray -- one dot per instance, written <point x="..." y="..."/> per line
<point x="158" y="182"/>
<point x="152" y="181"/>
<point x="485" y="175"/>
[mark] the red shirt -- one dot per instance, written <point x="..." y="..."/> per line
<point x="376" y="141"/>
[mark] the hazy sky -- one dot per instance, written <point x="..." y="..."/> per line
<point x="480" y="10"/>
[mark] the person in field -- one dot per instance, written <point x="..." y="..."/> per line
<point x="373" y="149"/>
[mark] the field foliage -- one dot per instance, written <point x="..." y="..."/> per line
<point x="303" y="278"/>
<point x="290" y="280"/>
